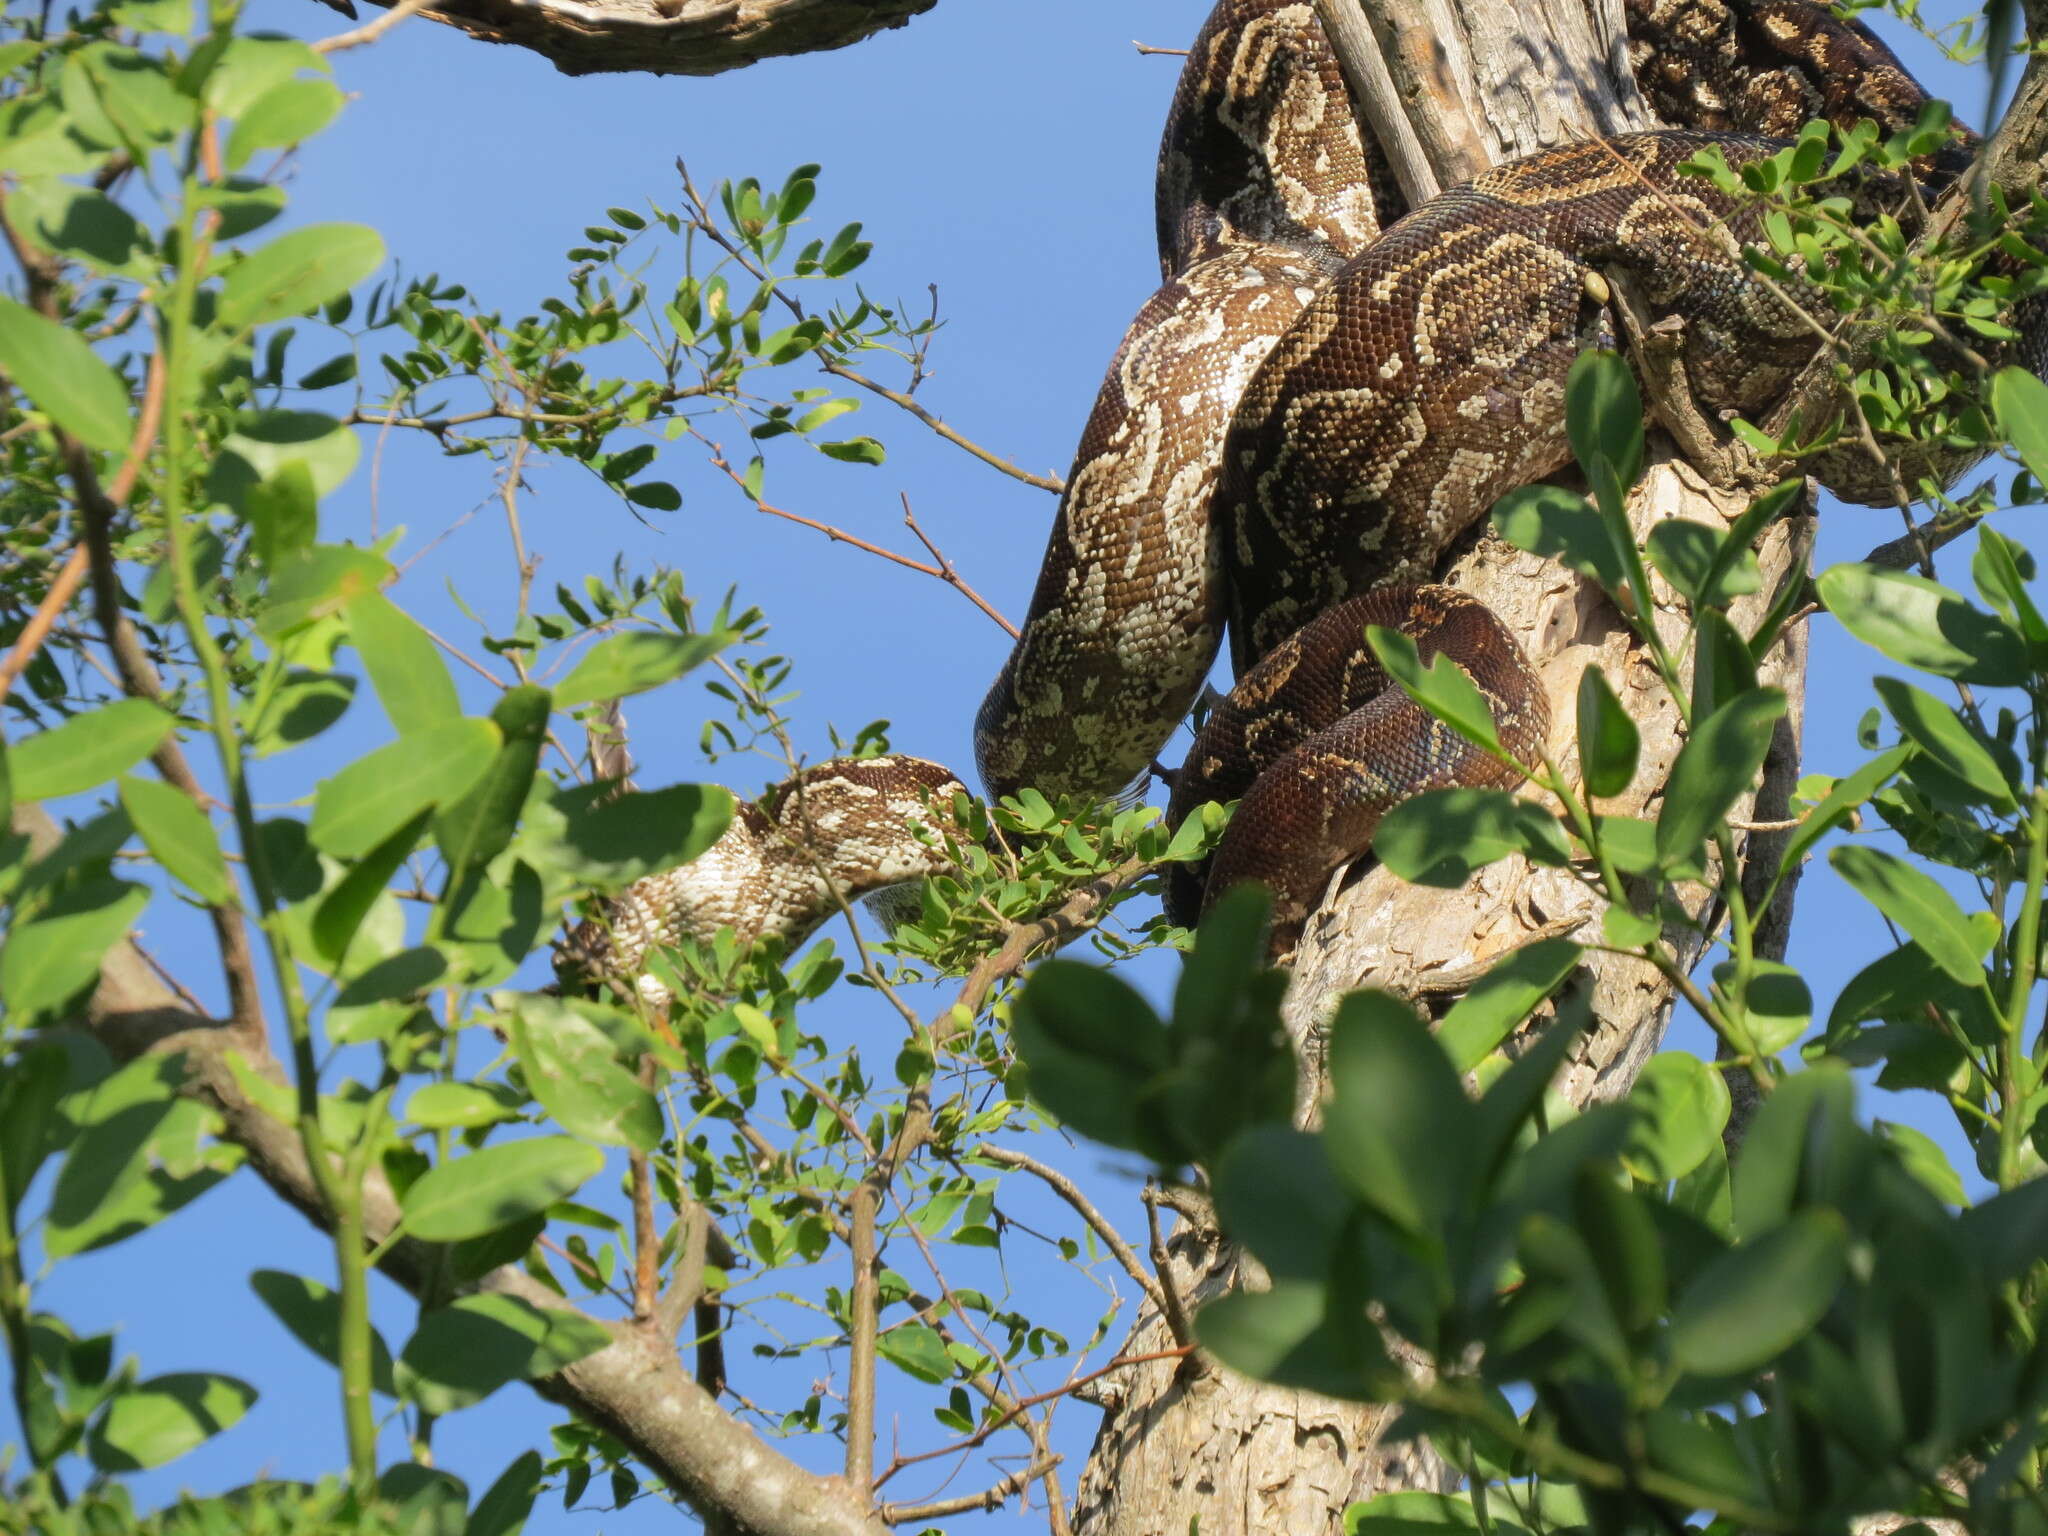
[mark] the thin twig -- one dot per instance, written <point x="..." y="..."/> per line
<point x="947" y="572"/>
<point x="942" y="572"/>
<point x="1071" y="1192"/>
<point x="370" y="31"/>
<point x="74" y="570"/>
<point x="708" y="226"/>
<point x="1170" y="1305"/>
<point x="1026" y="1404"/>
<point x="989" y="1498"/>
<point x="896" y="397"/>
<point x="1147" y="48"/>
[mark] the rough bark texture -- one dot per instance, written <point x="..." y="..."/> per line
<point x="1482" y="82"/>
<point x="672" y="37"/>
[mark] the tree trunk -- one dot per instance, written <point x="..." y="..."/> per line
<point x="1177" y="1446"/>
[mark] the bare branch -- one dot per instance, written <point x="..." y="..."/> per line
<point x="371" y="31"/>
<point x="989" y="1498"/>
<point x="1085" y="1208"/>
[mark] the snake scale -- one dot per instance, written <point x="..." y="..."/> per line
<point x="1322" y="397"/>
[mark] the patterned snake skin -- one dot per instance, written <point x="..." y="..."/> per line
<point x="1320" y="399"/>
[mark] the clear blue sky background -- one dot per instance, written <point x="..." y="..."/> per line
<point x="1002" y="152"/>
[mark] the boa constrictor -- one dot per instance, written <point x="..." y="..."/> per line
<point x="1317" y="402"/>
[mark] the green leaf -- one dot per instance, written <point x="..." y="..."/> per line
<point x="312" y="1314"/>
<point x="1399" y="1127"/>
<point x="1091" y="1045"/>
<point x="58" y="370"/>
<point x="81" y="224"/>
<point x="161" y="1419"/>
<point x="628" y="837"/>
<point x="619" y="666"/>
<point x="1688" y="554"/>
<point x="1278" y="1195"/>
<point x="1996" y="570"/>
<point x="1442" y="688"/>
<point x="918" y="1350"/>
<point x="373" y="797"/>
<point x="1922" y="1157"/>
<point x="1723" y="669"/>
<point x="1939" y="732"/>
<point x="497" y="1186"/>
<point x="29" y="1094"/>
<point x="1796" y="1147"/>
<point x="266" y="443"/>
<point x="290" y="112"/>
<point x="283" y="512"/>
<point x="1682" y="1105"/>
<point x="1922" y="624"/>
<point x="180" y="837"/>
<point x="309" y="586"/>
<point x="1716" y="766"/>
<point x="2009" y="1232"/>
<point x="456" y="1106"/>
<point x="480" y="826"/>
<point x="1279" y="1335"/>
<point x="1754" y="1302"/>
<point x="573" y="1068"/>
<point x="1609" y="742"/>
<point x="1550" y="521"/>
<point x="297" y="272"/>
<point x="1910" y="897"/>
<point x="405" y="667"/>
<point x="2020" y="401"/>
<point x="341" y="910"/>
<point x="115" y="1124"/>
<point x="1841" y="801"/>
<point x="1422" y="1514"/>
<point x="303" y="705"/>
<point x="1515" y="1096"/>
<point x="1441" y="837"/>
<point x="463" y="1352"/>
<point x="50" y="959"/>
<point x="87" y="750"/>
<point x="1621" y="1236"/>
<point x="1776" y="1005"/>
<point x="1497" y="1004"/>
<point x="1603" y="413"/>
<point x="503" y="1509"/>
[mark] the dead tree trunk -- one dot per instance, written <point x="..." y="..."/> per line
<point x="1476" y="81"/>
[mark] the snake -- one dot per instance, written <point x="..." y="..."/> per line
<point x="1327" y="390"/>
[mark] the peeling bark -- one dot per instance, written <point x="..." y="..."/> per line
<point x="671" y="37"/>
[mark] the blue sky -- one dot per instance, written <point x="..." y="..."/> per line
<point x="1001" y="152"/>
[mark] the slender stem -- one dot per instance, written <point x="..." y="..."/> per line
<point x="343" y="1196"/>
<point x="2012" y="1096"/>
<point x="14" y="1313"/>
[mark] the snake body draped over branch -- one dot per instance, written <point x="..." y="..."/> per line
<point x="1320" y="400"/>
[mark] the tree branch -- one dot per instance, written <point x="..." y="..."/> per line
<point x="634" y="1388"/>
<point x="665" y="37"/>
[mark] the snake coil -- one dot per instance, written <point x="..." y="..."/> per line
<point x="1320" y="399"/>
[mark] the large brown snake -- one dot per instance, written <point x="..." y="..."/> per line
<point x="1316" y="403"/>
